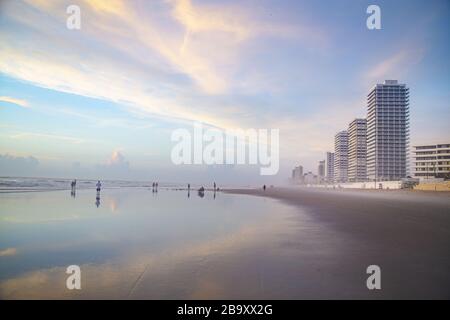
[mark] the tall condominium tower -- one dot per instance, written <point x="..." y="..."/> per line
<point x="329" y="167"/>
<point x="321" y="170"/>
<point x="387" y="131"/>
<point x="357" y="147"/>
<point x="341" y="157"/>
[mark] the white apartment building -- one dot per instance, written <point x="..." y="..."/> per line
<point x="329" y="167"/>
<point x="387" y="131"/>
<point x="341" y="157"/>
<point x="357" y="150"/>
<point x="431" y="161"/>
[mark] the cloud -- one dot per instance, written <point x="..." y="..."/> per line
<point x="117" y="160"/>
<point x="8" y="252"/>
<point x="19" y="102"/>
<point x="34" y="135"/>
<point x="116" y="166"/>
<point x="11" y="165"/>
<point x="155" y="57"/>
<point x="396" y="65"/>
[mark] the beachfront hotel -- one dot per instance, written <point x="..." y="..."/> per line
<point x="387" y="131"/>
<point x="341" y="157"/>
<point x="431" y="161"/>
<point x="329" y="167"/>
<point x="357" y="150"/>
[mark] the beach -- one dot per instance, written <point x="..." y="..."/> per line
<point x="406" y="233"/>
<point x="135" y="243"/>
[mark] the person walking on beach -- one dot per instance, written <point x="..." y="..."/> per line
<point x="264" y="187"/>
<point x="214" y="186"/>
<point x="99" y="186"/>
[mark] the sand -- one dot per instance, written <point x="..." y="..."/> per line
<point x="406" y="233"/>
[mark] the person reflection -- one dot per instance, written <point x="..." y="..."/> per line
<point x="97" y="199"/>
<point x="214" y="194"/>
<point x="73" y="187"/>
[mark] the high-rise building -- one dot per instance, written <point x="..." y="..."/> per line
<point x="297" y="174"/>
<point x="357" y="147"/>
<point x="387" y="131"/>
<point x="341" y="157"/>
<point x="329" y="167"/>
<point x="432" y="161"/>
<point x="321" y="171"/>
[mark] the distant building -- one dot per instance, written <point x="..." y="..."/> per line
<point x="310" y="178"/>
<point x="387" y="131"/>
<point x="329" y="167"/>
<point x="357" y="150"/>
<point x="297" y="174"/>
<point x="431" y="161"/>
<point x="321" y="171"/>
<point x="341" y="157"/>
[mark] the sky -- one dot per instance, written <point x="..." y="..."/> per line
<point x="103" y="101"/>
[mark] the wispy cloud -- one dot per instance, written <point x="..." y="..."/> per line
<point x="162" y="60"/>
<point x="20" y="102"/>
<point x="34" y="135"/>
<point x="8" y="252"/>
<point x="396" y="65"/>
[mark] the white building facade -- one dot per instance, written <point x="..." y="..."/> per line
<point x="329" y="167"/>
<point x="341" y="157"/>
<point x="387" y="131"/>
<point x="431" y="161"/>
<point x="357" y="150"/>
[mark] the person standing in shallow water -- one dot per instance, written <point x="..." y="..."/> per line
<point x="99" y="186"/>
<point x="264" y="187"/>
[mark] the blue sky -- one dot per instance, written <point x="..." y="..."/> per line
<point x="102" y="101"/>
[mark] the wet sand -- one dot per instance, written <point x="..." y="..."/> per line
<point x="406" y="233"/>
<point x="284" y="244"/>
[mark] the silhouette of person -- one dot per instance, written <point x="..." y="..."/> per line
<point x="99" y="186"/>
<point x="264" y="187"/>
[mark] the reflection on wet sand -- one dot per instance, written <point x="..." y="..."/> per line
<point x="97" y="199"/>
<point x="190" y="271"/>
<point x="160" y="248"/>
